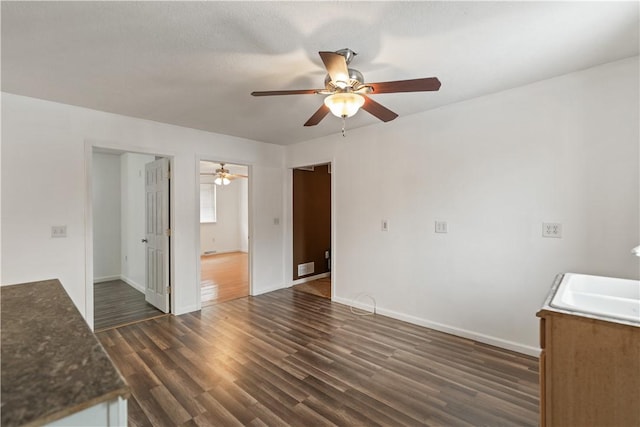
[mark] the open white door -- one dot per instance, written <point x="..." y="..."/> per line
<point x="157" y="234"/>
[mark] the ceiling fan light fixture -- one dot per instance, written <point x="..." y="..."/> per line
<point x="344" y="104"/>
<point x="221" y="180"/>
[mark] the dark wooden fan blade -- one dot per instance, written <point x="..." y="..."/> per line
<point x="336" y="65"/>
<point x="415" y="85"/>
<point x="318" y="116"/>
<point x="286" y="92"/>
<point x="378" y="110"/>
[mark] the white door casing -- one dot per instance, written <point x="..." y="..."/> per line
<point x="157" y="284"/>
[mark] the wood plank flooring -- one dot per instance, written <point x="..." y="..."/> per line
<point x="288" y="358"/>
<point x="224" y="277"/>
<point x="115" y="303"/>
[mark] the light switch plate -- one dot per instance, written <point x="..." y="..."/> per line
<point x="442" y="227"/>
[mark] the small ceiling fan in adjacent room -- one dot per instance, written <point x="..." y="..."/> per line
<point x="222" y="175"/>
<point x="347" y="91"/>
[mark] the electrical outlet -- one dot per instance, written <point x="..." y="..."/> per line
<point x="442" y="227"/>
<point x="385" y="225"/>
<point x="58" y="231"/>
<point x="552" y="229"/>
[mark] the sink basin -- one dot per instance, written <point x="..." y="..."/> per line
<point x="601" y="296"/>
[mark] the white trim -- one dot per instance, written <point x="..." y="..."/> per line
<point x="311" y="278"/>
<point x="208" y="157"/>
<point x="88" y="234"/>
<point x="135" y="285"/>
<point x="476" y="336"/>
<point x="271" y="289"/>
<point x="224" y="252"/>
<point x="125" y="147"/>
<point x="288" y="232"/>
<point x="106" y="278"/>
<point x="186" y="309"/>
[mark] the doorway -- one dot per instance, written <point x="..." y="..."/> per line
<point x="312" y="230"/>
<point x="130" y="218"/>
<point x="224" y="232"/>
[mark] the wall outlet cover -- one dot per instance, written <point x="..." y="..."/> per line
<point x="58" y="231"/>
<point x="552" y="229"/>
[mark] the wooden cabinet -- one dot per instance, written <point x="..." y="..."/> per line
<point x="589" y="372"/>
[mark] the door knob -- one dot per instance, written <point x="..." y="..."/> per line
<point x="144" y="240"/>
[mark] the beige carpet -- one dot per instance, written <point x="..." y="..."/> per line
<point x="320" y="287"/>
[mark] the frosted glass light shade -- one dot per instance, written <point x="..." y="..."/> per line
<point x="221" y="181"/>
<point x="344" y="104"/>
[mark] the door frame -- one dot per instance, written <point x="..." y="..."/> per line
<point x="288" y="259"/>
<point x="117" y="148"/>
<point x="250" y="246"/>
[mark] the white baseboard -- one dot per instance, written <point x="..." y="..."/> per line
<point x="222" y="252"/>
<point x="267" y="290"/>
<point x="184" y="310"/>
<point x="135" y="285"/>
<point x="464" y="333"/>
<point x="311" y="278"/>
<point x="106" y="278"/>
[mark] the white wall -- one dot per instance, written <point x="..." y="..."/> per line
<point x="225" y="234"/>
<point x="133" y="196"/>
<point x="106" y="216"/>
<point x="243" y="210"/>
<point x="46" y="156"/>
<point x="562" y="150"/>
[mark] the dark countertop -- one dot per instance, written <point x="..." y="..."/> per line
<point x="52" y="364"/>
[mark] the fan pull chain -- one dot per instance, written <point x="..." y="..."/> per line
<point x="344" y="123"/>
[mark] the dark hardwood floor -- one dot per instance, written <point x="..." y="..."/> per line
<point x="224" y="277"/>
<point x="289" y="358"/>
<point x="115" y="303"/>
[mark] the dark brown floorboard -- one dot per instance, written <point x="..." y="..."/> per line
<point x="115" y="303"/>
<point x="293" y="359"/>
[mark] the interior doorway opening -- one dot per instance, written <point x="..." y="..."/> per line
<point x="312" y="229"/>
<point x="131" y="242"/>
<point x="224" y="232"/>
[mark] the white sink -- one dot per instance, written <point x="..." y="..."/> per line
<point x="602" y="296"/>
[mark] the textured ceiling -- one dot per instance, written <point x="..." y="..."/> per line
<point x="194" y="64"/>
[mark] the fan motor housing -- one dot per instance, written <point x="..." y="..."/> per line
<point x="355" y="80"/>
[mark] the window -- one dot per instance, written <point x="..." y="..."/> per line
<point x="207" y="203"/>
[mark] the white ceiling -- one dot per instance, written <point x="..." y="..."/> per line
<point x="195" y="64"/>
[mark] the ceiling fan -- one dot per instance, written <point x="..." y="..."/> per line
<point x="347" y="92"/>
<point x="223" y="176"/>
